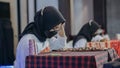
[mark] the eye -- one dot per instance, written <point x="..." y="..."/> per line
<point x="52" y="30"/>
<point x="56" y="28"/>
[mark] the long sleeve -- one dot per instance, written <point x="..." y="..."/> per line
<point x="80" y="43"/>
<point x="23" y="50"/>
<point x="97" y="38"/>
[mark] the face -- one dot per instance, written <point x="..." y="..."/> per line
<point x="99" y="31"/>
<point x="53" y="31"/>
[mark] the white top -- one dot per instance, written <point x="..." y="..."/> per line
<point x="80" y="43"/>
<point x="97" y="38"/>
<point x="23" y="47"/>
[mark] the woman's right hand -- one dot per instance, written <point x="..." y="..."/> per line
<point x="62" y="31"/>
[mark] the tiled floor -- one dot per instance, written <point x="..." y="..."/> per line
<point x="6" y="67"/>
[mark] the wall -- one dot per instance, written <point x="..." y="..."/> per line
<point x="39" y="4"/>
<point x="113" y="17"/>
<point x="23" y="8"/>
<point x="43" y="3"/>
<point x="31" y="10"/>
<point x="81" y="12"/>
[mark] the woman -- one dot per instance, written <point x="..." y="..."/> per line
<point x="46" y="30"/>
<point x="89" y="31"/>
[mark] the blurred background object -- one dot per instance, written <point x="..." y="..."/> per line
<point x="6" y="36"/>
<point x="118" y="36"/>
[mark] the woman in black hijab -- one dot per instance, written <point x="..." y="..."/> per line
<point x="46" y="29"/>
<point x="87" y="32"/>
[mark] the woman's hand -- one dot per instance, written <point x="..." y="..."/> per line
<point x="62" y="31"/>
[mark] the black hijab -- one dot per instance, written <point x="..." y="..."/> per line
<point x="87" y="31"/>
<point x="44" y="20"/>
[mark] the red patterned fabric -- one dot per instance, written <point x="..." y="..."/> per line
<point x="116" y="45"/>
<point x="99" y="45"/>
<point x="107" y="44"/>
<point x="93" y="59"/>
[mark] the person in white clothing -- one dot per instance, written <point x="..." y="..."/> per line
<point x="47" y="30"/>
<point x="89" y="32"/>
